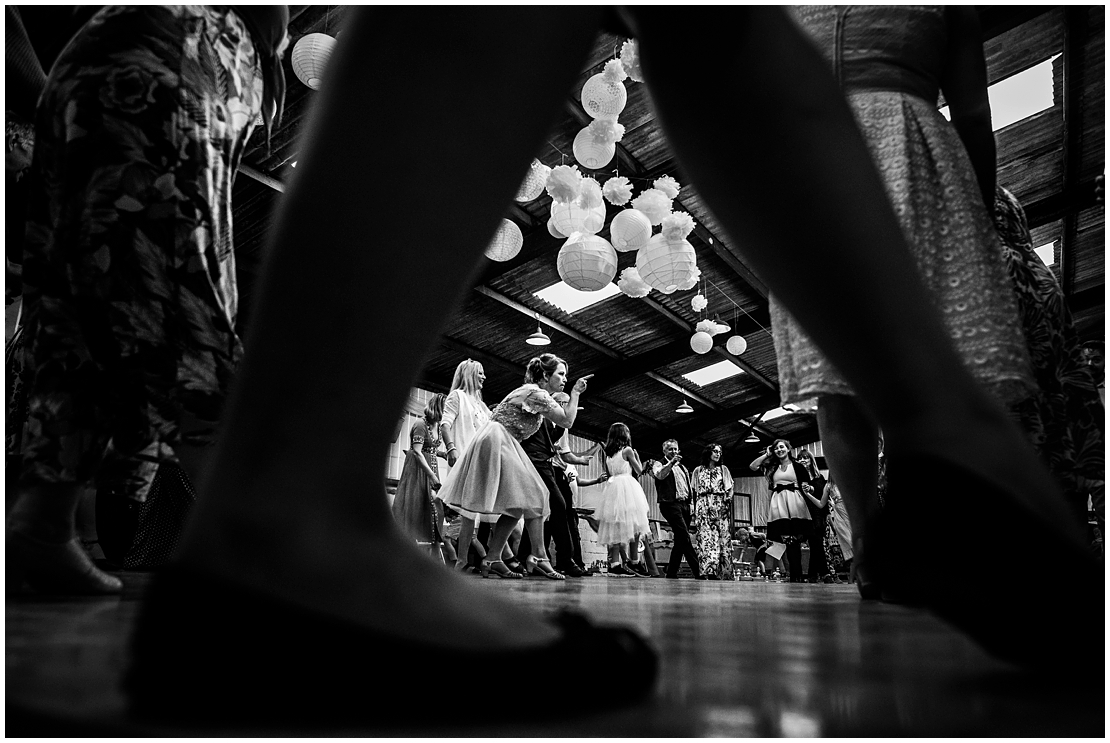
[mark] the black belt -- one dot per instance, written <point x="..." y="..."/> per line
<point x="780" y="486"/>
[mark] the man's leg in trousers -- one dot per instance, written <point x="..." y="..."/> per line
<point x="572" y="520"/>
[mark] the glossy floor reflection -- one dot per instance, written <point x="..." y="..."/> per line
<point x="737" y="659"/>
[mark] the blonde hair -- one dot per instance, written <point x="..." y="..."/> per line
<point x="466" y="378"/>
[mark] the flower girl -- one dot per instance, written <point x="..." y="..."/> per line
<point x="623" y="514"/>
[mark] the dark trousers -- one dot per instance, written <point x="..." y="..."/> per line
<point x="677" y="514"/>
<point x="818" y="566"/>
<point x="572" y="520"/>
<point x="555" y="528"/>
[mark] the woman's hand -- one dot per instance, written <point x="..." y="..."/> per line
<point x="436" y="484"/>
<point x="452" y="456"/>
<point x="580" y="385"/>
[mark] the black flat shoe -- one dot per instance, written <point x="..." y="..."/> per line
<point x="206" y="653"/>
<point x="1062" y="631"/>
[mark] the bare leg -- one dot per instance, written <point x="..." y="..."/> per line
<point x="466" y="539"/>
<point x="291" y="480"/>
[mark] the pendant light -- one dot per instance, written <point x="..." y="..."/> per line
<point x="752" y="438"/>
<point x="539" y="338"/>
<point x="684" y="408"/>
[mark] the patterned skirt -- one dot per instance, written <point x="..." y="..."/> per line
<point x="129" y="276"/>
<point x="936" y="197"/>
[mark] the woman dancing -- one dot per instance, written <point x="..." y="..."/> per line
<point x="789" y="521"/>
<point x="712" y="514"/>
<point x="623" y="514"/>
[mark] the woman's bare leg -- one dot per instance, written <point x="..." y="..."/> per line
<point x="295" y="504"/>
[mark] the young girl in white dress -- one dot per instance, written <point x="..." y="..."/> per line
<point x="623" y="514"/>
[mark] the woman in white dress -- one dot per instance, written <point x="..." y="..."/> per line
<point x="494" y="476"/>
<point x="623" y="515"/>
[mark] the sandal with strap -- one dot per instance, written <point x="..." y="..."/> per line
<point x="536" y="565"/>
<point x="497" y="569"/>
<point x="179" y="639"/>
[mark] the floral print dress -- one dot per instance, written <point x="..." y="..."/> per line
<point x="129" y="276"/>
<point x="712" y="536"/>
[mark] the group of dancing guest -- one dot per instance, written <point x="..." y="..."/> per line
<point x="788" y="520"/>
<point x="495" y="476"/>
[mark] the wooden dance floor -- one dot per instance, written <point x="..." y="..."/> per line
<point x="737" y="659"/>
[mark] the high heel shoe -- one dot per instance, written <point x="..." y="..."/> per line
<point x="497" y="569"/>
<point x="202" y="655"/>
<point x="542" y="567"/>
<point x="55" y="568"/>
<point x="995" y="611"/>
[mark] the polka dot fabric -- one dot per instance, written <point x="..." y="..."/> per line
<point x="161" y="519"/>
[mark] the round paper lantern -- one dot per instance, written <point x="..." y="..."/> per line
<point x="534" y="182"/>
<point x="506" y="243"/>
<point x="736" y="345"/>
<point x="587" y="263"/>
<point x="572" y="217"/>
<point x="664" y="265"/>
<point x="554" y="232"/>
<point x="310" y="56"/>
<point x="601" y="97"/>
<point x="592" y="154"/>
<point x="701" y="342"/>
<point x="630" y="230"/>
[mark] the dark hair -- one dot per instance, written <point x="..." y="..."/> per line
<point x="707" y="454"/>
<point x="433" y="411"/>
<point x="618" y="438"/>
<point x="542" y="366"/>
<point x="771" y="463"/>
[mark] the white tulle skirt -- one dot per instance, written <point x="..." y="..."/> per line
<point x="624" y="510"/>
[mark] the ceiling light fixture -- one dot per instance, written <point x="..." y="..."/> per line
<point x="539" y="338"/>
<point x="684" y="408"/>
<point x="752" y="438"/>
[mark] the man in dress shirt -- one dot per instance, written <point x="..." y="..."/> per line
<point x="672" y="484"/>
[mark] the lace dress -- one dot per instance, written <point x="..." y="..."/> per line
<point x="888" y="60"/>
<point x="624" y="510"/>
<point x="494" y="475"/>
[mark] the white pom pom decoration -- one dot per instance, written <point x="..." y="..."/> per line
<point x="606" y="129"/>
<point x="630" y="230"/>
<point x="601" y="96"/>
<point x="705" y="326"/>
<point x="614" y="71"/>
<point x="654" y="204"/>
<point x="310" y="56"/>
<point x="701" y="342"/>
<point x="564" y="184"/>
<point x="617" y="190"/>
<point x="698" y="303"/>
<point x="590" y="196"/>
<point x="668" y="185"/>
<point x="587" y="262"/>
<point x="632" y="285"/>
<point x="666" y="265"/>
<point x="506" y="243"/>
<point x="590" y="153"/>
<point x="677" y="226"/>
<point x="736" y="345"/>
<point x="691" y="281"/>
<point x="630" y="61"/>
<point x="552" y="231"/>
<point x="534" y="182"/>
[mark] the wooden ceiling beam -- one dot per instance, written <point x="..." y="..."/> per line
<point x="568" y="331"/>
<point x="1075" y="34"/>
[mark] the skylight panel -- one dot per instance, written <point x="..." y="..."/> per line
<point x="1047" y="253"/>
<point x="770" y="415"/>
<point x="570" y="300"/>
<point x="713" y="373"/>
<point x="1019" y="96"/>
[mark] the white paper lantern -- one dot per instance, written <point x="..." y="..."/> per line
<point x="590" y="153"/>
<point x="630" y="230"/>
<point x="601" y="97"/>
<point x="587" y="263"/>
<point x="506" y="243"/>
<point x="664" y="265"/>
<point x="554" y="232"/>
<point x="736" y="345"/>
<point x="572" y="217"/>
<point x="310" y="57"/>
<point x="701" y="342"/>
<point x="534" y="182"/>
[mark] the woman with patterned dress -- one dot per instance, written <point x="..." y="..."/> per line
<point x="838" y="532"/>
<point x="413" y="502"/>
<point x="1065" y="419"/>
<point x="494" y="476"/>
<point x="892" y="62"/>
<point x="711" y="516"/>
<point x="129" y="274"/>
<point x="788" y="519"/>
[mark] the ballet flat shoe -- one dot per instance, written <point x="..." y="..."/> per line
<point x="1062" y="631"/>
<point x="63" y="569"/>
<point x="206" y="653"/>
